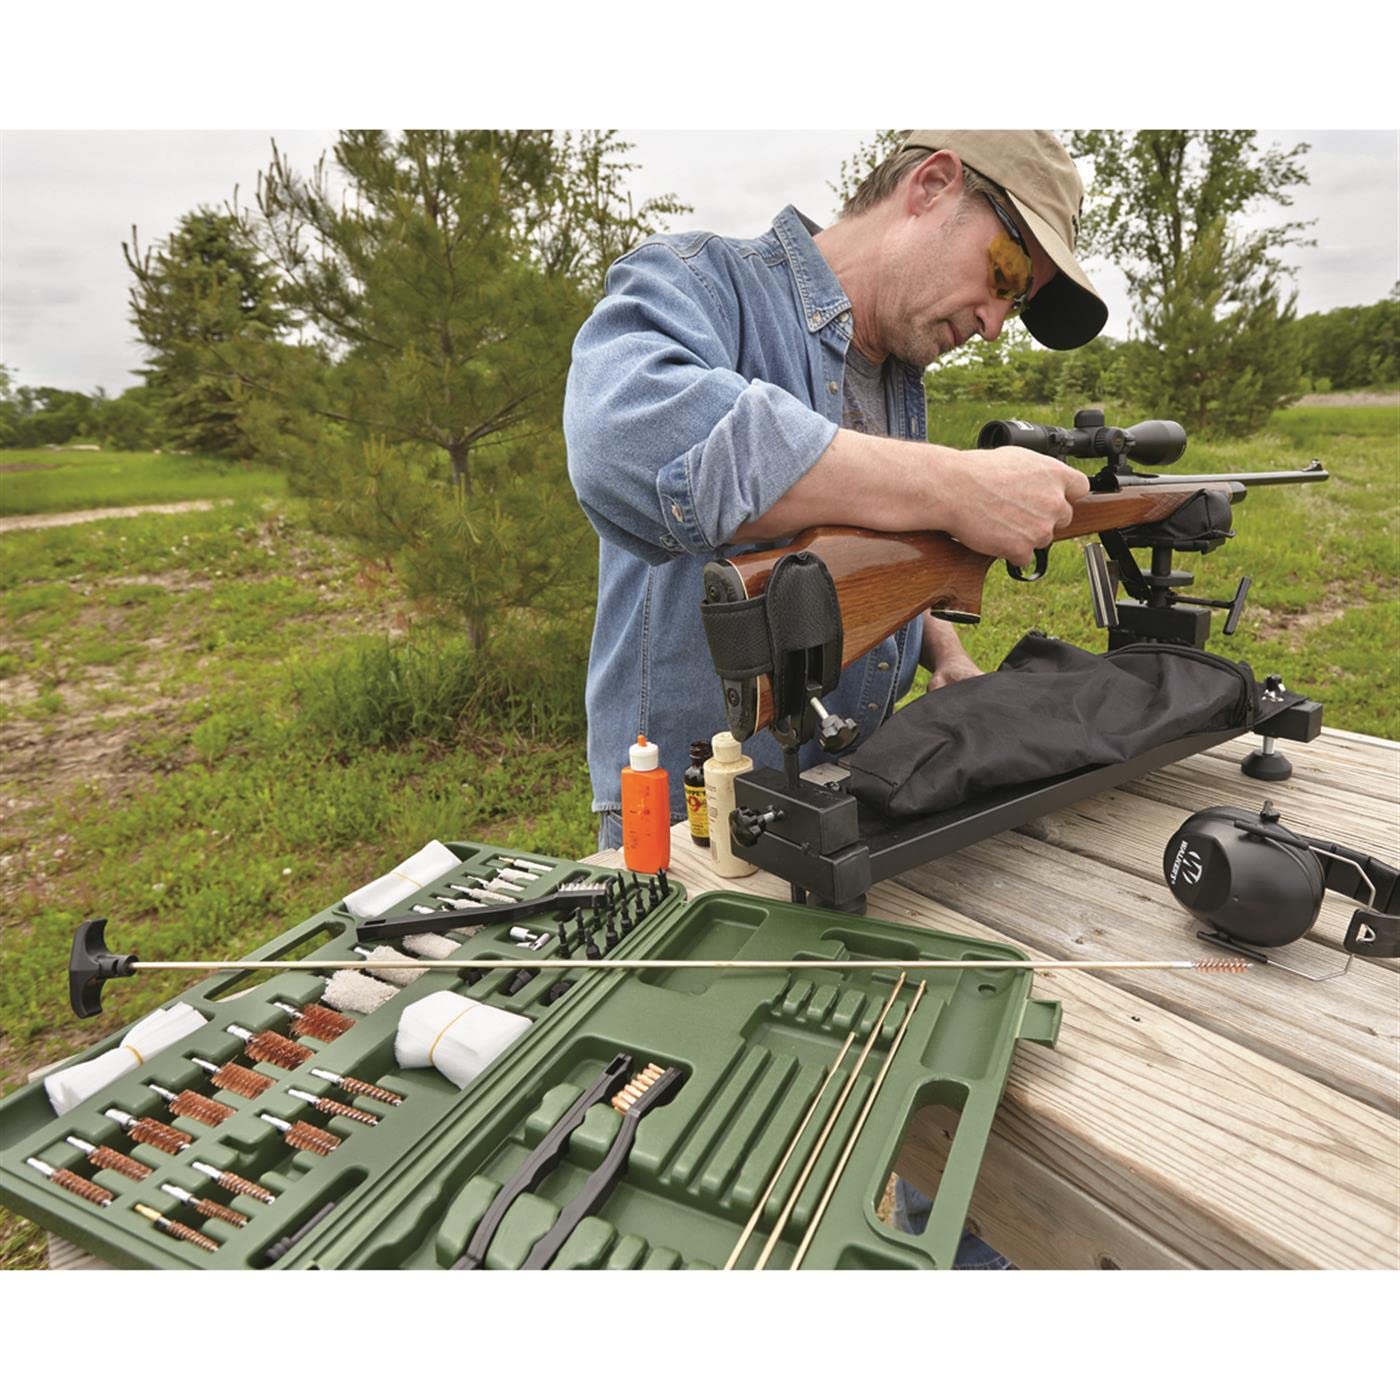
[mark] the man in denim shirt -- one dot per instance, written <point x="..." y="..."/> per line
<point x="704" y="412"/>
<point x="707" y="408"/>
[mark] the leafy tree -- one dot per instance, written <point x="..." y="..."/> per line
<point x="34" y="417"/>
<point x="442" y="276"/>
<point x="196" y="293"/>
<point x="1161" y="203"/>
<point x="1352" y="347"/>
<point x="862" y="161"/>
<point x="131" y="422"/>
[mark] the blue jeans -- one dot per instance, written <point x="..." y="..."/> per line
<point x="609" y="831"/>
<point x="911" y="1206"/>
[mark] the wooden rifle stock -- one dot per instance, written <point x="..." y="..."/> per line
<point x="885" y="580"/>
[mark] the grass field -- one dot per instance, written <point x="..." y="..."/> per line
<point x="217" y="723"/>
<point x="66" y="480"/>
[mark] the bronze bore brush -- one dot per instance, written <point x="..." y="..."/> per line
<point x="109" y="1159"/>
<point x="361" y="1087"/>
<point x="175" y="1230"/>
<point x="314" y="1020"/>
<point x="212" y="1209"/>
<point x="333" y="1109"/>
<point x="304" y="1137"/>
<point x="152" y="1131"/>
<point x="188" y="1104"/>
<point x="234" y="1184"/>
<point x="272" y="1048"/>
<point x="71" y="1181"/>
<point x="236" y="1078"/>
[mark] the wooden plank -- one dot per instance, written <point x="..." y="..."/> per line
<point x="1032" y="1216"/>
<point x="1366" y="740"/>
<point x="1354" y="768"/>
<point x="1344" y="1033"/>
<point x="1200" y="782"/>
<point x="1226" y="1158"/>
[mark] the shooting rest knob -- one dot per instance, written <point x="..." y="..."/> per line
<point x="746" y="825"/>
<point x="837" y="733"/>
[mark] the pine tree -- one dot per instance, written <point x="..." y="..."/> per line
<point x="1219" y="344"/>
<point x="196" y="293"/>
<point x="443" y="276"/>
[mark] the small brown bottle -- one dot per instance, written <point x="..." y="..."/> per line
<point x="696" y="811"/>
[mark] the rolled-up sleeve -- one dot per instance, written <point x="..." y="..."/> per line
<point x="670" y="449"/>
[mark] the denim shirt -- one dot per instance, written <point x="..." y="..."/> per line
<point x="706" y="382"/>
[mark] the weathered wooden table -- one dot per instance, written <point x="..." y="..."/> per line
<point x="1183" y="1121"/>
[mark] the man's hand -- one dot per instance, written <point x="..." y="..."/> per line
<point x="1008" y="501"/>
<point x="943" y="654"/>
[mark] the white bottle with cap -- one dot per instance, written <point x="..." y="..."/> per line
<point x="727" y="763"/>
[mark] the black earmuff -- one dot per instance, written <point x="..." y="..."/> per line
<point x="1256" y="882"/>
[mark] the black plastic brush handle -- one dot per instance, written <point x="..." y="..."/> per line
<point x="543" y="1159"/>
<point x="391" y="929"/>
<point x="599" y="1186"/>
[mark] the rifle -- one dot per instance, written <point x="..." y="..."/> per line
<point x="783" y="622"/>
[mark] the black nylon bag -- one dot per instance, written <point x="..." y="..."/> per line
<point x="1048" y="710"/>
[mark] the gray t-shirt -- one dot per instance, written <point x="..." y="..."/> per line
<point x="864" y="408"/>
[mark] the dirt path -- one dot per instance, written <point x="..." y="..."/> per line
<point x="81" y="517"/>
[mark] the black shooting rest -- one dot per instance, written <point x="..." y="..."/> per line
<point x="833" y="848"/>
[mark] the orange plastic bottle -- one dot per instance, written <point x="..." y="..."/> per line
<point x="646" y="810"/>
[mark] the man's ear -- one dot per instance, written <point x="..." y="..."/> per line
<point x="939" y="179"/>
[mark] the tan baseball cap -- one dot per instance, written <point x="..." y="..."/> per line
<point x="1038" y="175"/>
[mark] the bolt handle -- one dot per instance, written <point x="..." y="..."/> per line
<point x="90" y="965"/>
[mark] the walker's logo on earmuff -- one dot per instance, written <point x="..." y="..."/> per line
<point x="1187" y="864"/>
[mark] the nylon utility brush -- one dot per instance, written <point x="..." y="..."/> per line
<point x="304" y="1137"/>
<point x="211" y="1210"/>
<point x="108" y="1159"/>
<point x="151" y="1131"/>
<point x="70" y="1181"/>
<point x="188" y="1104"/>
<point x="267" y="1047"/>
<point x="175" y="1229"/>
<point x="645" y="1091"/>
<point x="315" y="1021"/>
<point x="237" y="1079"/>
<point x="234" y="1184"/>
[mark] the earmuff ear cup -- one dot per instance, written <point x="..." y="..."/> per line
<point x="1249" y="887"/>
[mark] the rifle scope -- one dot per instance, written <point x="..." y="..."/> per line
<point x="1155" y="443"/>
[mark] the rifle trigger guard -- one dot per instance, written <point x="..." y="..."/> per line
<point x="1042" y="563"/>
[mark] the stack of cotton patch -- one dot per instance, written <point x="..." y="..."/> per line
<point x="67" y="1088"/>
<point x="455" y="1035"/>
<point x="431" y="863"/>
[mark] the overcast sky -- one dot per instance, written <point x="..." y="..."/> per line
<point x="69" y="198"/>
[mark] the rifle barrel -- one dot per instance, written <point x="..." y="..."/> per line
<point x="1221" y="478"/>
